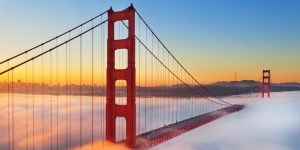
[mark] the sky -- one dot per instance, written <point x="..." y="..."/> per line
<point x="214" y="39"/>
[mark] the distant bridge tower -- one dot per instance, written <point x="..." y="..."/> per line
<point x="114" y="110"/>
<point x="266" y="83"/>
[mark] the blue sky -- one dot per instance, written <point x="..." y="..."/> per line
<point x="208" y="36"/>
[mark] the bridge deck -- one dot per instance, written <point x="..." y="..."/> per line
<point x="160" y="135"/>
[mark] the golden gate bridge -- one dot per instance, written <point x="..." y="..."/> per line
<point x="110" y="78"/>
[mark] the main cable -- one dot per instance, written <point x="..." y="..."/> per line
<point x="53" y="48"/>
<point x="145" y="46"/>
<point x="179" y="62"/>
<point x="173" y="73"/>
<point x="52" y="39"/>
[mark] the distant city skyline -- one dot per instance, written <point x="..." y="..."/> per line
<point x="176" y="90"/>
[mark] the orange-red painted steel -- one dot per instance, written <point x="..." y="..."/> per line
<point x="266" y="83"/>
<point x="114" y="110"/>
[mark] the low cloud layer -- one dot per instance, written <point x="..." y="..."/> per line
<point x="267" y="124"/>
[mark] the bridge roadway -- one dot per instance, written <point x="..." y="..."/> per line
<point x="160" y="135"/>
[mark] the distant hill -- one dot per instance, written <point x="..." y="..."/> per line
<point x="222" y="88"/>
<point x="243" y="83"/>
<point x="218" y="89"/>
<point x="289" y="84"/>
<point x="248" y="86"/>
<point x="249" y="83"/>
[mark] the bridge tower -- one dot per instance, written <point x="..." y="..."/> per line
<point x="266" y="83"/>
<point x="113" y="110"/>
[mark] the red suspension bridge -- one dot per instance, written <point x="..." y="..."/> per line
<point x="110" y="78"/>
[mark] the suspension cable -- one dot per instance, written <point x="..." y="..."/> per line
<point x="139" y="88"/>
<point x="51" y="103"/>
<point x="13" y="109"/>
<point x="174" y="73"/>
<point x="80" y="55"/>
<point x="92" y="87"/>
<point x="26" y="88"/>
<point x="43" y="103"/>
<point x="57" y="86"/>
<point x="33" y="124"/>
<point x="8" y="105"/>
<point x="53" y="48"/>
<point x="179" y="62"/>
<point x="70" y="95"/>
<point x="20" y="54"/>
<point x="66" y="93"/>
<point x="145" y="46"/>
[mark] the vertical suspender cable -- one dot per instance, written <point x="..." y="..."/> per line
<point x="51" y="109"/>
<point x="177" y="96"/>
<point x="70" y="94"/>
<point x="92" y="87"/>
<point x="80" y="89"/>
<point x="139" y="114"/>
<point x="43" y="105"/>
<point x="168" y="91"/>
<point x="182" y="98"/>
<point x="57" y="85"/>
<point x="152" y="83"/>
<point x="193" y="106"/>
<point x="173" y="118"/>
<point x="66" y="93"/>
<point x="102" y="84"/>
<point x="26" y="88"/>
<point x="103" y="81"/>
<point x="186" y="104"/>
<point x="146" y="93"/>
<point x="164" y="89"/>
<point x="8" y="110"/>
<point x="13" y="109"/>
<point x="159" y="89"/>
<point x="33" y="105"/>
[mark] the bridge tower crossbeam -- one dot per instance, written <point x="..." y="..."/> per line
<point x="113" y="110"/>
